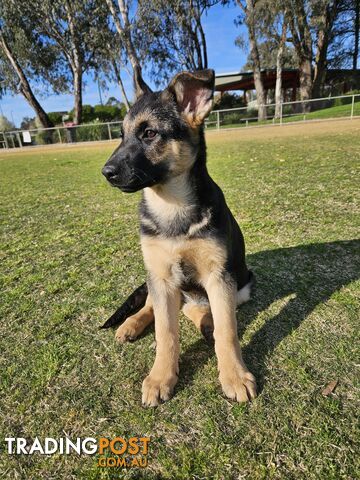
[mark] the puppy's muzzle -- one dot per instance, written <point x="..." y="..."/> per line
<point x="109" y="172"/>
<point x="122" y="178"/>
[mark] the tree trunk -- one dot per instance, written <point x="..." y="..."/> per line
<point x="25" y="88"/>
<point x="255" y="57"/>
<point x="124" y="30"/>
<point x="121" y="85"/>
<point x="357" y="29"/>
<point x="302" y="40"/>
<point x="77" y="96"/>
<point x="305" y="83"/>
<point x="323" y="39"/>
<point x="203" y="45"/>
<point x="279" y="62"/>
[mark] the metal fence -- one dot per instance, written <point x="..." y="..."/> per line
<point x="343" y="106"/>
<point x="91" y="132"/>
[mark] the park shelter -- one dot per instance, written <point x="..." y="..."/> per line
<point x="341" y="79"/>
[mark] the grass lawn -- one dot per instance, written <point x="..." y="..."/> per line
<point x="70" y="254"/>
<point x="338" y="111"/>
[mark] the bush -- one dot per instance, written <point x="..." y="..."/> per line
<point x="44" y="137"/>
<point x="101" y="113"/>
<point x="109" y="113"/>
<point x="55" y="118"/>
<point x="91" y="132"/>
<point x="229" y="100"/>
<point x="342" y="101"/>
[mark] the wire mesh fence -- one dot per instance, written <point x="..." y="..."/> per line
<point x="344" y="106"/>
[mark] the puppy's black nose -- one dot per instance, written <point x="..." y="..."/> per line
<point x="108" y="171"/>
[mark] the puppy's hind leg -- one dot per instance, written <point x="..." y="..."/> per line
<point x="136" y="324"/>
<point x="200" y="315"/>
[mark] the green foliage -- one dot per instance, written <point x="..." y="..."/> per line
<point x="353" y="92"/>
<point x="228" y="100"/>
<point x="101" y="113"/>
<point x="55" y="117"/>
<point x="39" y="60"/>
<point x="45" y="137"/>
<point x="87" y="133"/>
<point x="342" y="101"/>
<point x="169" y="33"/>
<point x="108" y="113"/>
<point x="28" y="123"/>
<point x="5" y="124"/>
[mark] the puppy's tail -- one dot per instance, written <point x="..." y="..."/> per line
<point x="136" y="301"/>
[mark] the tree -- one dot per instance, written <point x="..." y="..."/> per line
<point x="250" y="9"/>
<point x="111" y="58"/>
<point x="71" y="27"/>
<point x="27" y="123"/>
<point x="324" y="15"/>
<point x="312" y="24"/>
<point x="344" y="41"/>
<point x="356" y="33"/>
<point x="112" y="102"/>
<point x="273" y="28"/>
<point x="171" y="36"/>
<point x="5" y="124"/>
<point x="279" y="67"/>
<point x="17" y="80"/>
<point x="125" y="29"/>
<point x="23" y="58"/>
<point x="302" y="41"/>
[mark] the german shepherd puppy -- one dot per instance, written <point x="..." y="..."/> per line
<point x="193" y="248"/>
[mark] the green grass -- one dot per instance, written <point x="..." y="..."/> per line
<point x="70" y="254"/>
<point x="339" y="111"/>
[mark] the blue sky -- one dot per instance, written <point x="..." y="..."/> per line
<point x="224" y="56"/>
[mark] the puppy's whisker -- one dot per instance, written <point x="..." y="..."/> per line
<point x="146" y="175"/>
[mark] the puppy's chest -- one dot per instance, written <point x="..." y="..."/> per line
<point x="184" y="261"/>
<point x="190" y="222"/>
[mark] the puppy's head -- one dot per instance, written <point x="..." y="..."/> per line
<point x="161" y="132"/>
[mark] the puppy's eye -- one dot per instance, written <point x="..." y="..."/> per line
<point x="149" y="134"/>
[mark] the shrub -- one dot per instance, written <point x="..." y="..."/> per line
<point x="229" y="100"/>
<point x="92" y="132"/>
<point x="55" y="117"/>
<point x="44" y="137"/>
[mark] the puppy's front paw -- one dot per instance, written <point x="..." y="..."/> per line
<point x="238" y="385"/>
<point x="127" y="332"/>
<point x="156" y="390"/>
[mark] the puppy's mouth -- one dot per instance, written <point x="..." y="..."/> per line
<point x="132" y="186"/>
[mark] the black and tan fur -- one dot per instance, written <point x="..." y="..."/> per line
<point x="193" y="248"/>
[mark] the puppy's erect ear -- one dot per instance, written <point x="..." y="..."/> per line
<point x="140" y="86"/>
<point x="194" y="94"/>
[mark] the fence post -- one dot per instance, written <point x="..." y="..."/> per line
<point x="352" y="106"/>
<point x="19" y="140"/>
<point x="59" y="133"/>
<point x="109" y="130"/>
<point x="5" y="140"/>
<point x="218" y="120"/>
<point x="281" y="112"/>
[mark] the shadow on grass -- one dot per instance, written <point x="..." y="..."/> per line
<point x="310" y="274"/>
